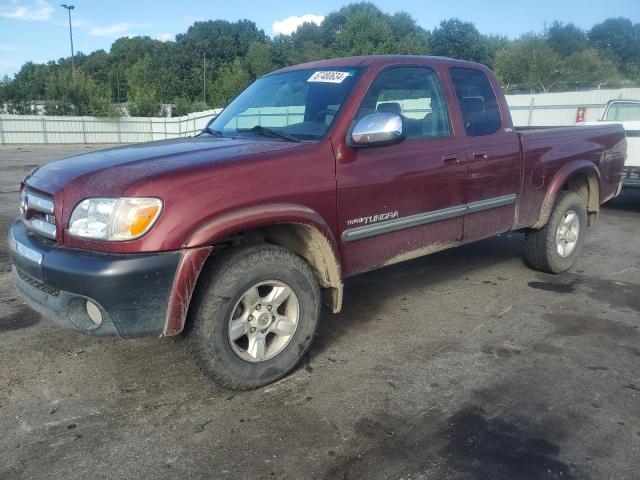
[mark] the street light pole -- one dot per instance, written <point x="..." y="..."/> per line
<point x="73" y="64"/>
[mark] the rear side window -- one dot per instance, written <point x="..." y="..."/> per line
<point x="414" y="93"/>
<point x="478" y="103"/>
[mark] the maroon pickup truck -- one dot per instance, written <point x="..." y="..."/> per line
<point x="314" y="173"/>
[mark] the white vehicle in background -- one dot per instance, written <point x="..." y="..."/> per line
<point x="627" y="113"/>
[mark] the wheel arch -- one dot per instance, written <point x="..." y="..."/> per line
<point x="297" y="228"/>
<point x="579" y="176"/>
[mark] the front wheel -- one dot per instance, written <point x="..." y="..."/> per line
<point x="555" y="247"/>
<point x="254" y="316"/>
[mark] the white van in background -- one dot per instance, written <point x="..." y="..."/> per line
<point x="627" y="113"/>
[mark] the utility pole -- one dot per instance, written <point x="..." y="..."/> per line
<point x="204" y="78"/>
<point x="73" y="65"/>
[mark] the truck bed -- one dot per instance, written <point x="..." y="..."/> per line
<point x="547" y="150"/>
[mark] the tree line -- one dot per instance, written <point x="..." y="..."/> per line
<point x="214" y="60"/>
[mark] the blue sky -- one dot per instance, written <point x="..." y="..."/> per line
<point x="37" y="30"/>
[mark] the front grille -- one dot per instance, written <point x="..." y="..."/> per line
<point x="29" y="280"/>
<point x="632" y="173"/>
<point x="631" y="177"/>
<point x="37" y="209"/>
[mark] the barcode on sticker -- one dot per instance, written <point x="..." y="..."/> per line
<point x="328" y="77"/>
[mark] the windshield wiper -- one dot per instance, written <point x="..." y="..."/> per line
<point x="215" y="133"/>
<point x="269" y="132"/>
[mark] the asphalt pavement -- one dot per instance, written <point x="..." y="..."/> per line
<point x="465" y="364"/>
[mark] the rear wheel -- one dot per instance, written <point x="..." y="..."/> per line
<point x="555" y="247"/>
<point x="254" y="316"/>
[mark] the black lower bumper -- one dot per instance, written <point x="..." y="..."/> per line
<point x="131" y="291"/>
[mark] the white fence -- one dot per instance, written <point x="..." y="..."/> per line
<point x="31" y="129"/>
<point x="556" y="109"/>
<point x="544" y="109"/>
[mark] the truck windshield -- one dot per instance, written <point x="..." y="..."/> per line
<point x="301" y="104"/>
<point x="624" y="111"/>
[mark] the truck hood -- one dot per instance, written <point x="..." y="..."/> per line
<point x="110" y="171"/>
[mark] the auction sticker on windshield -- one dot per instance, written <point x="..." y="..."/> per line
<point x="328" y="77"/>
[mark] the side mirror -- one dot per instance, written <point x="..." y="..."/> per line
<point x="377" y="129"/>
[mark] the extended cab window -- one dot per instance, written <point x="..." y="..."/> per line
<point x="624" y="111"/>
<point x="415" y="95"/>
<point x="302" y="103"/>
<point x="478" y="104"/>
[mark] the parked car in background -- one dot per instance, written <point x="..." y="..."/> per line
<point x="314" y="173"/>
<point x="627" y="114"/>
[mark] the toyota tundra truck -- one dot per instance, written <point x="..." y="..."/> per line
<point x="314" y="173"/>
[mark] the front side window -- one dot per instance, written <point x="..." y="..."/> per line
<point x="624" y="111"/>
<point x="302" y="103"/>
<point x="478" y="103"/>
<point x="415" y="95"/>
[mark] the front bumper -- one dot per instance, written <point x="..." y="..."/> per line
<point x="131" y="291"/>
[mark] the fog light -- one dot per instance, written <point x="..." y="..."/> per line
<point x="94" y="313"/>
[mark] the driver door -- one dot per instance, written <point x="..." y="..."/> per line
<point x="411" y="193"/>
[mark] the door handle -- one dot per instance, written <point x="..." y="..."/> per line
<point x="480" y="156"/>
<point x="449" y="159"/>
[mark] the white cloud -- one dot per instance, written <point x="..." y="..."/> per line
<point x="38" y="11"/>
<point x="291" y="24"/>
<point x="7" y="48"/>
<point x="165" y="37"/>
<point x="116" y="29"/>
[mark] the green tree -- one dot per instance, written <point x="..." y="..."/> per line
<point x="142" y="94"/>
<point x="408" y="37"/>
<point x="231" y="79"/>
<point x="566" y="39"/>
<point x="220" y="39"/>
<point x="259" y="59"/>
<point x="364" y="30"/>
<point x="309" y="42"/>
<point x="457" y="39"/>
<point x="590" y="66"/>
<point x="77" y="94"/>
<point x="143" y="102"/>
<point x="128" y="50"/>
<point x="529" y="61"/>
<point x="97" y="66"/>
<point x="146" y="72"/>
<point x="621" y="38"/>
<point x="30" y="82"/>
<point x="183" y="106"/>
<point x="5" y="89"/>
<point x="493" y="44"/>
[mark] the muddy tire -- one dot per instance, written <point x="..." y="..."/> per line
<point x="555" y="247"/>
<point x="254" y="315"/>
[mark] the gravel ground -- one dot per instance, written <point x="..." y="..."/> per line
<point x="465" y="364"/>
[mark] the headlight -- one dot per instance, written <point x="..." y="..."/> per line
<point x="124" y="218"/>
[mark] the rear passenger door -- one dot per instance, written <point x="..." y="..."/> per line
<point x="410" y="192"/>
<point x="493" y="155"/>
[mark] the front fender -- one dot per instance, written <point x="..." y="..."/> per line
<point x="319" y="248"/>
<point x="258" y="216"/>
